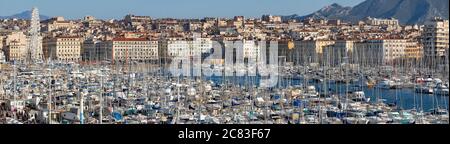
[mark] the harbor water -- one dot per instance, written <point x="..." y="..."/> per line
<point x="405" y="98"/>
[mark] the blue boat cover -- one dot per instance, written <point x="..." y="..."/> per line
<point x="297" y="103"/>
<point x="117" y="116"/>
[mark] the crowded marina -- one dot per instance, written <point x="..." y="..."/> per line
<point x="141" y="70"/>
<point x="141" y="93"/>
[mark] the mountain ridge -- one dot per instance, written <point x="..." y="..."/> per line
<point x="406" y="11"/>
<point x="24" y="15"/>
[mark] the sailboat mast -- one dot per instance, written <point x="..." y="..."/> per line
<point x="101" y="100"/>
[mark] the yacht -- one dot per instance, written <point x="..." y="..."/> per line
<point x="359" y="96"/>
<point x="310" y="91"/>
<point x="387" y="84"/>
<point x="441" y="90"/>
<point x="426" y="89"/>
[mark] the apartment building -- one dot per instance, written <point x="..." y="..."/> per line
<point x="435" y="38"/>
<point x="134" y="49"/>
<point x="63" y="48"/>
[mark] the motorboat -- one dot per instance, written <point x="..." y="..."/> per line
<point x="310" y="91"/>
<point x="359" y="96"/>
<point x="425" y="89"/>
<point x="441" y="90"/>
<point x="387" y="84"/>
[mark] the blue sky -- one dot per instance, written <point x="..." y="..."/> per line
<point x="106" y="9"/>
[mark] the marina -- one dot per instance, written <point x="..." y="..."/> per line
<point x="69" y="93"/>
<point x="269" y="69"/>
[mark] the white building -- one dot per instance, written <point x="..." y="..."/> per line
<point x="338" y="52"/>
<point x="202" y="44"/>
<point x="271" y="18"/>
<point x="57" y="23"/>
<point x="2" y="58"/>
<point x="304" y="34"/>
<point x="16" y="44"/>
<point x="16" y="51"/>
<point x="244" y="49"/>
<point x="435" y="39"/>
<point x="96" y="50"/>
<point x="134" y="49"/>
<point x="177" y="48"/>
<point x="194" y="47"/>
<point x="251" y="49"/>
<point x="1" y="41"/>
<point x="63" y="48"/>
<point x="381" y="51"/>
<point x="16" y="36"/>
<point x="377" y="21"/>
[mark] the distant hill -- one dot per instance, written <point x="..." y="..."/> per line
<point x="330" y="12"/>
<point x="406" y="11"/>
<point x="24" y="15"/>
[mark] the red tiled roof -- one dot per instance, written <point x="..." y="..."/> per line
<point x="130" y="39"/>
<point x="68" y="37"/>
<point x="135" y="33"/>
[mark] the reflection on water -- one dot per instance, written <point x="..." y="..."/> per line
<point x="405" y="98"/>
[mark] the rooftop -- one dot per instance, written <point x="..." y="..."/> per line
<point x="129" y="39"/>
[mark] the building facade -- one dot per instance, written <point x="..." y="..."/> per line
<point x="57" y="23"/>
<point x="136" y="20"/>
<point x="16" y="51"/>
<point x="63" y="48"/>
<point x="377" y="21"/>
<point x="96" y="50"/>
<point x="339" y="52"/>
<point x="16" y="45"/>
<point x="271" y="18"/>
<point x="251" y="50"/>
<point x="2" y="54"/>
<point x="381" y="51"/>
<point x="413" y="50"/>
<point x="134" y="49"/>
<point x="2" y="58"/>
<point x="310" y="51"/>
<point x="188" y="47"/>
<point x="2" y="38"/>
<point x="435" y="38"/>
